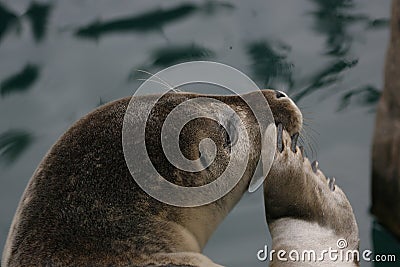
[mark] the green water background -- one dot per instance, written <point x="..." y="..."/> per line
<point x="61" y="59"/>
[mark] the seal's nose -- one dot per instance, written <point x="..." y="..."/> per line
<point x="280" y="94"/>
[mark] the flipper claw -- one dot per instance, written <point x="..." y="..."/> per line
<point x="294" y="142"/>
<point x="331" y="184"/>
<point x="280" y="139"/>
<point x="314" y="166"/>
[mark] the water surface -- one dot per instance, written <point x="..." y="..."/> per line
<point x="62" y="59"/>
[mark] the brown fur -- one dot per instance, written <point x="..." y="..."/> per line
<point x="386" y="144"/>
<point x="83" y="208"/>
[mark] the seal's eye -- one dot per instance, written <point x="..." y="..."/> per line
<point x="280" y="94"/>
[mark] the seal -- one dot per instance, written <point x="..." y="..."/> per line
<point x="83" y="208"/>
<point x="306" y="212"/>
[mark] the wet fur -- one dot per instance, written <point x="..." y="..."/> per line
<point x="82" y="207"/>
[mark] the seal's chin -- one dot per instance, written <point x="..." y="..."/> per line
<point x="269" y="137"/>
<point x="287" y="117"/>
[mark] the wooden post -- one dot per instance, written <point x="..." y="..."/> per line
<point x="386" y="143"/>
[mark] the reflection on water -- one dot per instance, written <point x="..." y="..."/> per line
<point x="151" y="20"/>
<point x="170" y="55"/>
<point x="333" y="18"/>
<point x="378" y="23"/>
<point x="366" y="95"/>
<point x="326" y="77"/>
<point x="20" y="81"/>
<point x="269" y="64"/>
<point x="8" y="20"/>
<point x="38" y="14"/>
<point x="316" y="49"/>
<point x="12" y="144"/>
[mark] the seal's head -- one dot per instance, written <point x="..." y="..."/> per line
<point x="84" y="196"/>
<point x="304" y="209"/>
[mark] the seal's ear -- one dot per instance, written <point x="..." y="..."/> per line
<point x="227" y="134"/>
<point x="268" y="147"/>
<point x="231" y="134"/>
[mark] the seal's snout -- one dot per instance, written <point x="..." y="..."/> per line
<point x="284" y="110"/>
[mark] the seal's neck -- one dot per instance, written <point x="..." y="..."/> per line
<point x="302" y="240"/>
<point x="202" y="221"/>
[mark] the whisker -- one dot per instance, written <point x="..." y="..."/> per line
<point x="305" y="107"/>
<point x="310" y="141"/>
<point x="297" y="93"/>
<point x="312" y="129"/>
<point x="311" y="149"/>
<point x="162" y="80"/>
<point x="306" y="145"/>
<point x="306" y="119"/>
<point x="313" y="139"/>
<point x="150" y="80"/>
<point x="306" y="113"/>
